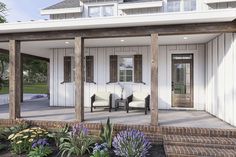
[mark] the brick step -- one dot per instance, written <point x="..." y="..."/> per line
<point x="200" y="141"/>
<point x="209" y="132"/>
<point x="188" y="151"/>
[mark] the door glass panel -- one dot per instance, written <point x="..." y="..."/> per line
<point x="182" y="80"/>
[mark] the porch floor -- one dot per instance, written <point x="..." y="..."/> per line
<point x="39" y="110"/>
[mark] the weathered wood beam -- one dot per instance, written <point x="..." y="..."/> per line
<point x="4" y="51"/>
<point x="79" y="79"/>
<point x="154" y="79"/>
<point x="200" y="28"/>
<point x="14" y="79"/>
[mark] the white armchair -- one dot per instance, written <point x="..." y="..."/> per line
<point x="138" y="100"/>
<point x="101" y="99"/>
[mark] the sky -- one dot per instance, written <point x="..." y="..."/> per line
<point x="26" y="10"/>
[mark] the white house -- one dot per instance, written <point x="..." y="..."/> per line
<point x="196" y="51"/>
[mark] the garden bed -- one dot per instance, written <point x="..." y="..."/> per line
<point x="155" y="151"/>
<point x="76" y="141"/>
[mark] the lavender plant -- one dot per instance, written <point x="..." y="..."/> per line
<point x="100" y="150"/>
<point x="77" y="142"/>
<point x="131" y="143"/>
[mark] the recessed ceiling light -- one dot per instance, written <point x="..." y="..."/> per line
<point x="185" y="38"/>
<point x="122" y="40"/>
<point x="67" y="42"/>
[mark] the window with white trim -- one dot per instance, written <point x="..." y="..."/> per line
<point x="181" y="5"/>
<point x="126" y="68"/>
<point x="101" y="11"/>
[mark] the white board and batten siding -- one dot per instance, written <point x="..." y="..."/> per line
<point x="63" y="94"/>
<point x="221" y="77"/>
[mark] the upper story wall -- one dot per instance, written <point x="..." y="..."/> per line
<point x="102" y="8"/>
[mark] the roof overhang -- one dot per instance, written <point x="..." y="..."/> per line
<point x="218" y="1"/>
<point x="62" y="11"/>
<point x="224" y="15"/>
<point x="124" y="6"/>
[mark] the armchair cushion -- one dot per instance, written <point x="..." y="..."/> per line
<point x="101" y="103"/>
<point x="139" y="96"/>
<point x="102" y="96"/>
<point x="137" y="104"/>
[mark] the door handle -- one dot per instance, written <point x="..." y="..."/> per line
<point x="172" y="86"/>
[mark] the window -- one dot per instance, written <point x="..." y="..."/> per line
<point x="90" y="69"/>
<point x="189" y="5"/>
<point x="68" y="69"/>
<point x="173" y="5"/>
<point x="101" y="11"/>
<point x="108" y="10"/>
<point x="94" y="11"/>
<point x="181" y="5"/>
<point x="126" y="69"/>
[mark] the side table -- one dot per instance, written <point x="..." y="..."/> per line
<point x="120" y="101"/>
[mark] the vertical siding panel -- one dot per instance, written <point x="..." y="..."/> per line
<point x="210" y="77"/>
<point x="228" y="77"/>
<point x="56" y="77"/>
<point x="196" y="74"/>
<point x="52" y="93"/>
<point x="221" y="76"/>
<point x="201" y="77"/>
<point x="234" y="68"/>
<point x="100" y="69"/>
<point x="215" y="67"/>
<point x="162" y="77"/>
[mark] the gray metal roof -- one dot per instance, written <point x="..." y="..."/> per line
<point x="65" y="4"/>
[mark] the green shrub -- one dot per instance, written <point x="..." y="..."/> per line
<point x="106" y="133"/>
<point x="77" y="142"/>
<point x="61" y="133"/>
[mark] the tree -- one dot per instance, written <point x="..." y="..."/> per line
<point x="3" y="10"/>
<point x="3" y="58"/>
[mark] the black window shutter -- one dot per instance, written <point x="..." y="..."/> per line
<point x="89" y="69"/>
<point x="113" y="68"/>
<point x="138" y="69"/>
<point x="67" y="69"/>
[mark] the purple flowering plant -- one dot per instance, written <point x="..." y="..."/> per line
<point x="79" y="130"/>
<point x="40" y="148"/>
<point x="131" y="143"/>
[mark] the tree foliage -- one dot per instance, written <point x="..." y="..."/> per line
<point x="3" y="10"/>
<point x="35" y="70"/>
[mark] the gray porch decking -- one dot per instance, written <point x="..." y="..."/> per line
<point x="39" y="110"/>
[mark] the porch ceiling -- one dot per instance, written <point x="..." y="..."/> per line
<point x="42" y="48"/>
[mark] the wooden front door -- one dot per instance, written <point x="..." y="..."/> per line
<point x="182" y="80"/>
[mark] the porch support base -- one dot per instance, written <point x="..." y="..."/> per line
<point x="154" y="79"/>
<point x="14" y="79"/>
<point x="79" y="79"/>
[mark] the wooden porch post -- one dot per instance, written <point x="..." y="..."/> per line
<point x="14" y="79"/>
<point x="79" y="78"/>
<point x="154" y="79"/>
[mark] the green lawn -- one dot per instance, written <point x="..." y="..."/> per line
<point x="33" y="89"/>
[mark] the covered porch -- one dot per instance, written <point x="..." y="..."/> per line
<point x="155" y="34"/>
